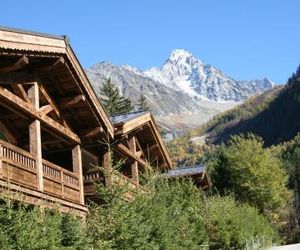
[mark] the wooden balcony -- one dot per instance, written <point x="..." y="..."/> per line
<point x="18" y="167"/>
<point x="94" y="177"/>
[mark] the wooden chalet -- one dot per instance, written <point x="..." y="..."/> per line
<point x="54" y="131"/>
<point x="51" y="121"/>
<point x="137" y="147"/>
<point x="197" y="174"/>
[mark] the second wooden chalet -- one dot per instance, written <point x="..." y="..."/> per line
<point x="137" y="148"/>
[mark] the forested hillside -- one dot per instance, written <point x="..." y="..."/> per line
<point x="277" y="122"/>
<point x="187" y="148"/>
<point x="273" y="116"/>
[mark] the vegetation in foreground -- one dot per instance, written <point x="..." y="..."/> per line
<point x="170" y="215"/>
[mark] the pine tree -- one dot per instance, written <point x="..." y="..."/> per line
<point x="114" y="103"/>
<point x="142" y="104"/>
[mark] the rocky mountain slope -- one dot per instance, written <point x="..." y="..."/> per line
<point x="184" y="92"/>
<point x="276" y="121"/>
<point x="184" y="72"/>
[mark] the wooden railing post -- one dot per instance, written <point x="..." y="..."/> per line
<point x="35" y="136"/>
<point x="1" y="158"/>
<point x="77" y="168"/>
<point x="134" y="165"/>
<point x="62" y="183"/>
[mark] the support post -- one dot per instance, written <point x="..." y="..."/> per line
<point x="77" y="168"/>
<point x="1" y="159"/>
<point x="134" y="165"/>
<point x="35" y="136"/>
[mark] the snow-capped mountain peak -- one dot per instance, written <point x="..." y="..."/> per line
<point x="185" y="73"/>
<point x="182" y="56"/>
<point x="184" y="92"/>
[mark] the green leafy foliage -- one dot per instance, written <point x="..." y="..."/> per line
<point x="243" y="167"/>
<point x="114" y="103"/>
<point x="151" y="220"/>
<point x="174" y="215"/>
<point x="165" y="215"/>
<point x="26" y="227"/>
<point x="73" y="233"/>
<point x="231" y="225"/>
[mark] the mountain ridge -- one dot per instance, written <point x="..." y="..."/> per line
<point x="183" y="85"/>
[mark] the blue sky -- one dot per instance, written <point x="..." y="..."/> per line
<point x="245" y="39"/>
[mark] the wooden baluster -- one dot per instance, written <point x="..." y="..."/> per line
<point x="62" y="183"/>
<point x="1" y="158"/>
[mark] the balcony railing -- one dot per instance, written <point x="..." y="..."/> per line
<point x="19" y="167"/>
<point x="94" y="176"/>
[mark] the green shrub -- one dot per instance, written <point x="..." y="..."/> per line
<point x="174" y="215"/>
<point x="28" y="227"/>
<point x="249" y="171"/>
<point x="231" y="225"/>
<point x="167" y="216"/>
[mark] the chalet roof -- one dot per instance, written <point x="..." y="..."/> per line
<point x="186" y="171"/>
<point x="29" y="32"/>
<point x="142" y="124"/>
<point x="197" y="173"/>
<point x="47" y="53"/>
<point x="126" y="117"/>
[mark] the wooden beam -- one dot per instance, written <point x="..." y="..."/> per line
<point x="9" y="136"/>
<point x="45" y="109"/>
<point x="53" y="141"/>
<point x="134" y="165"/>
<point x="59" y="62"/>
<point x="154" y="146"/>
<point x="49" y="99"/>
<point x="53" y="105"/>
<point x="21" y="77"/>
<point x="124" y="150"/>
<point x="77" y="168"/>
<point x="92" y="132"/>
<point x="17" y="103"/>
<point x="35" y="140"/>
<point x="21" y="63"/>
<point x="20" y="91"/>
<point x="1" y="161"/>
<point x="139" y="149"/>
<point x="70" y="102"/>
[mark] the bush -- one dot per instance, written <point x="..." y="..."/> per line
<point x="28" y="227"/>
<point x="174" y="215"/>
<point x="166" y="216"/>
<point x="230" y="225"/>
<point x="252" y="173"/>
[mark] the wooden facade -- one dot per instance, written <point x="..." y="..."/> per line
<point x="54" y="131"/>
<point x="50" y="118"/>
<point x="138" y="147"/>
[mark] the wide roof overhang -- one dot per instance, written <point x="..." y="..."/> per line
<point x="37" y="57"/>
